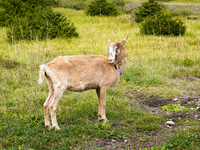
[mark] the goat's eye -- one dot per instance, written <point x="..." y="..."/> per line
<point x="117" y="46"/>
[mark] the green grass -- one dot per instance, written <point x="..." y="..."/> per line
<point x="155" y="66"/>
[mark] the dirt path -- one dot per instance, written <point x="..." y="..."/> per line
<point x="149" y="104"/>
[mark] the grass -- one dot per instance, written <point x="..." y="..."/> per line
<point x="156" y="66"/>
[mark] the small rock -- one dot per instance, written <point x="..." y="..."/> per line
<point x="113" y="140"/>
<point x="198" y="108"/>
<point x="125" y="141"/>
<point x="170" y="123"/>
<point x="196" y="116"/>
<point x="179" y="118"/>
<point x="175" y="99"/>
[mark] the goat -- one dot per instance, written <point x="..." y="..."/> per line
<point x="80" y="73"/>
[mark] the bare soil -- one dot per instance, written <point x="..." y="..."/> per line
<point x="150" y="104"/>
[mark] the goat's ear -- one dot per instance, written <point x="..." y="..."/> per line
<point x="109" y="41"/>
<point x="124" y="41"/>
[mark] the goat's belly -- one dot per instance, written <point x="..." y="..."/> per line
<point x="81" y="87"/>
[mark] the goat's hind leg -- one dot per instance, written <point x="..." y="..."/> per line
<point x="58" y="93"/>
<point x="46" y="110"/>
<point x="47" y="103"/>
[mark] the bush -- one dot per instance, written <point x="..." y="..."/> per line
<point x="101" y="7"/>
<point x="41" y="25"/>
<point x="31" y="20"/>
<point x="162" y="23"/>
<point x="147" y="9"/>
<point x="18" y="8"/>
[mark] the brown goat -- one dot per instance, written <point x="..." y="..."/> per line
<point x="81" y="73"/>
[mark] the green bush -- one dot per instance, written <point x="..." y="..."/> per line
<point x="162" y="23"/>
<point x="147" y="9"/>
<point x="101" y="7"/>
<point x="18" y="8"/>
<point x="33" y="19"/>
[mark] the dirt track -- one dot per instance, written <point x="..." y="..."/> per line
<point x="150" y="104"/>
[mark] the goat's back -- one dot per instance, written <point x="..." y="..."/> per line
<point x="84" y="72"/>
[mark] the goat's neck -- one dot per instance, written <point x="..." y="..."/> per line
<point x="121" y="64"/>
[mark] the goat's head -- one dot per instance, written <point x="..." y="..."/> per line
<point x="116" y="51"/>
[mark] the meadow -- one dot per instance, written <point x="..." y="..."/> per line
<point x="160" y="67"/>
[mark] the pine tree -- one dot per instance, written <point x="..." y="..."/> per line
<point x="162" y="23"/>
<point x="33" y="19"/>
<point x="147" y="9"/>
<point x="102" y="7"/>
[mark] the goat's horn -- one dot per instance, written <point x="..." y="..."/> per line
<point x="126" y="38"/>
<point x="109" y="41"/>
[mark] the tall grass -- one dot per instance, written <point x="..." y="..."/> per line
<point x="155" y="65"/>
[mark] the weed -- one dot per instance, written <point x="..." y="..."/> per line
<point x="173" y="107"/>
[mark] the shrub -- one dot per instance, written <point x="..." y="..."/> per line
<point x="162" y="23"/>
<point x="101" y="7"/>
<point x="12" y="8"/>
<point x="41" y="25"/>
<point x="31" y="20"/>
<point x="147" y="9"/>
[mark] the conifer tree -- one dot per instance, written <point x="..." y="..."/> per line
<point x="33" y="19"/>
<point x="102" y="7"/>
<point x="147" y="9"/>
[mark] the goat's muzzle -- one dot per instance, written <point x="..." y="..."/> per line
<point x="110" y="61"/>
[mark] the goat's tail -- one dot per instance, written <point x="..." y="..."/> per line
<point x="43" y="69"/>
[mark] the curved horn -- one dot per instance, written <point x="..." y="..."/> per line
<point x="124" y="41"/>
<point x="109" y="41"/>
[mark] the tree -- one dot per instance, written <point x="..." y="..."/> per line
<point x="162" y="23"/>
<point x="147" y="9"/>
<point x="101" y="7"/>
<point x="33" y="19"/>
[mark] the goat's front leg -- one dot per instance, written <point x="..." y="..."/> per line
<point x="99" y="109"/>
<point x="101" y="93"/>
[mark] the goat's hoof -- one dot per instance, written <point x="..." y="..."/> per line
<point x="48" y="126"/>
<point x="104" y="120"/>
<point x="57" y="128"/>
